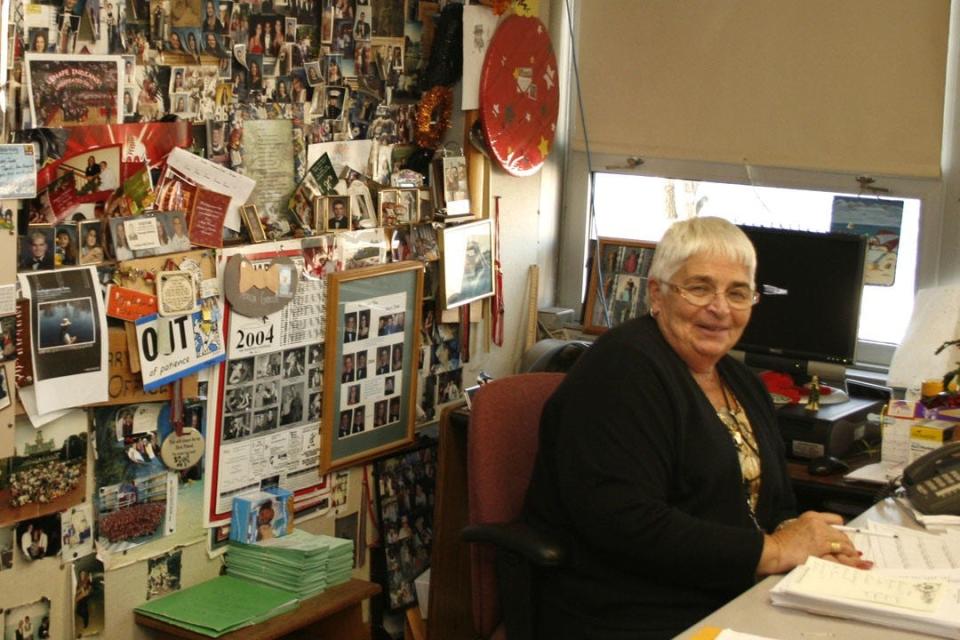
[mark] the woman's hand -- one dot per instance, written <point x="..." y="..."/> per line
<point x="812" y="534"/>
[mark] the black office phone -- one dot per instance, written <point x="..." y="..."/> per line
<point x="933" y="481"/>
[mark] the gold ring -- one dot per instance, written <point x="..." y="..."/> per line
<point x="834" y="547"/>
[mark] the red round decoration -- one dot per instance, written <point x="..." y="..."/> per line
<point x="519" y="97"/>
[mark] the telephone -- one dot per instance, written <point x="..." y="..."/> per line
<point x="932" y="481"/>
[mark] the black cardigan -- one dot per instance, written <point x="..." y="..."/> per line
<point x="636" y="473"/>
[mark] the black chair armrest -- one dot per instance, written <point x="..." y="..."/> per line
<point x="520" y="538"/>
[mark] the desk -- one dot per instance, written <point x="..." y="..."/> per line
<point x="335" y="614"/>
<point x="833" y="493"/>
<point x="752" y="612"/>
<point x="451" y="605"/>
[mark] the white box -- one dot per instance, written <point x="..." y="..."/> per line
<point x="422" y="585"/>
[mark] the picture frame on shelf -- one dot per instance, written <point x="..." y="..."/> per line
<point x="251" y="221"/>
<point x="622" y="266"/>
<point x="467" y="256"/>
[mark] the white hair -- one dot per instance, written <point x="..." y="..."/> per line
<point x="709" y="236"/>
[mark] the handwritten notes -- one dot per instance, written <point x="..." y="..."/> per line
<point x="18" y="171"/>
<point x="207" y="219"/>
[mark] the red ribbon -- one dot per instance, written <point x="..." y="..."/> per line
<point x="176" y="405"/>
<point x="465" y="333"/>
<point x="497" y="308"/>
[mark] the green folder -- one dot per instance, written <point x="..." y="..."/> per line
<point x="219" y="606"/>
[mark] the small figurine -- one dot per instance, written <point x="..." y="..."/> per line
<point x="813" y="400"/>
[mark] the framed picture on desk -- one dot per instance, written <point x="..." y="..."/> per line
<point x="618" y="279"/>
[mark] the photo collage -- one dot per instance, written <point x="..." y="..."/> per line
<point x="406" y="488"/>
<point x="272" y="391"/>
<point x="372" y="372"/>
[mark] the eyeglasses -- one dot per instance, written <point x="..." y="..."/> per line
<point x="700" y="295"/>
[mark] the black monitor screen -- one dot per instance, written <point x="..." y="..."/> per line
<point x="810" y="285"/>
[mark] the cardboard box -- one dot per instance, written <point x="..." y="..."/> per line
<point x="262" y="515"/>
<point x="422" y="585"/>
<point x="927" y="435"/>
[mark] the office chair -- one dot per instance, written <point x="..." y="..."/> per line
<point x="503" y="437"/>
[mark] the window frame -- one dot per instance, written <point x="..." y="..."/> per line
<point x="575" y="233"/>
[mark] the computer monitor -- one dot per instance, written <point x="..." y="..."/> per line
<point x="809" y="311"/>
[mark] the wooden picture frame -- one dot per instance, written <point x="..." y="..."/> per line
<point x="622" y="265"/>
<point x="251" y="221"/>
<point x="466" y="251"/>
<point x="353" y="430"/>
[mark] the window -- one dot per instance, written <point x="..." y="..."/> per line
<point x="641" y="205"/>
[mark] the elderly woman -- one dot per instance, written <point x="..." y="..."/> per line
<point x="660" y="465"/>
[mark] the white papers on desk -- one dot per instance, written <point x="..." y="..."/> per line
<point x="907" y="549"/>
<point x="730" y="634"/>
<point x="876" y="473"/>
<point x="927" y="603"/>
<point x="938" y="522"/>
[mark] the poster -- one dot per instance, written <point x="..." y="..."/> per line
<point x="68" y="329"/>
<point x="76" y="531"/>
<point x="212" y="176"/>
<point x="163" y="574"/>
<point x="299" y="323"/>
<point x="269" y="161"/>
<point x="88" y="597"/>
<point x="878" y="220"/>
<point x="268" y="428"/>
<point x="135" y="495"/>
<point x="373" y="343"/>
<point x="125" y="386"/>
<point x="47" y="472"/>
<point x="30" y="620"/>
<point x="67" y="91"/>
<point x="267" y="408"/>
<point x="172" y="348"/>
<point x="479" y="23"/>
<point x="139" y="144"/>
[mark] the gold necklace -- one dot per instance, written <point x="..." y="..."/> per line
<point x="738" y="432"/>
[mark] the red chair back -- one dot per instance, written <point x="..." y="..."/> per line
<point x="503" y="439"/>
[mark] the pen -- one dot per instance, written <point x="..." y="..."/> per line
<point x="879" y="534"/>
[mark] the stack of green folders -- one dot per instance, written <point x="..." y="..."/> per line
<point x="301" y="562"/>
<point x="219" y="606"/>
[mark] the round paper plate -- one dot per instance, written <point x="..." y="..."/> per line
<point x="519" y="98"/>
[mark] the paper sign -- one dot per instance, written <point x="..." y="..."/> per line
<point x="138" y="190"/>
<point x="125" y="386"/>
<point x="8" y="299"/>
<point x="69" y="337"/>
<point x="18" y="171"/>
<point x="171" y="348"/>
<point x="212" y="176"/>
<point x="176" y="293"/>
<point x="207" y="219"/>
<point x="62" y="198"/>
<point x="479" y="23"/>
<point x="129" y="304"/>
<point x="141" y="233"/>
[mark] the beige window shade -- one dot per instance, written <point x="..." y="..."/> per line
<point x="850" y="86"/>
